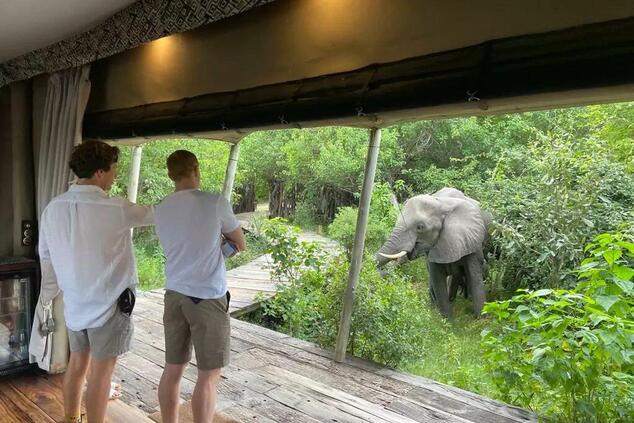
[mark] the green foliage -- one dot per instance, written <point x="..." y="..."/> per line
<point x="311" y="158"/>
<point x="381" y="219"/>
<point x="570" y="353"/>
<point x="391" y="321"/>
<point x="150" y="259"/>
<point x="290" y="255"/>
<point x="154" y="184"/>
<point x="551" y="197"/>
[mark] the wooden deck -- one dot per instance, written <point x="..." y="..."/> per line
<point x="272" y="378"/>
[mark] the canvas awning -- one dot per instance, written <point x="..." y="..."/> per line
<point x="295" y="64"/>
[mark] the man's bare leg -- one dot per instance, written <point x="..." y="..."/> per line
<point x="169" y="392"/>
<point x="73" y="383"/>
<point x="204" y="398"/>
<point x="98" y="389"/>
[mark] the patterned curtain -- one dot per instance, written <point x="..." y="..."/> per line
<point x="141" y="22"/>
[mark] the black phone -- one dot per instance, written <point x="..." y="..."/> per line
<point x="126" y="301"/>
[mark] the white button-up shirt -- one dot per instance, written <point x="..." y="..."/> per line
<point x="85" y="247"/>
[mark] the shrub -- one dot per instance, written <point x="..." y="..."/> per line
<point x="150" y="259"/>
<point x="381" y="219"/>
<point x="290" y="255"/>
<point x="391" y="319"/>
<point x="570" y="353"/>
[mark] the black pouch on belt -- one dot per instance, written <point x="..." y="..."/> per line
<point x="126" y="301"/>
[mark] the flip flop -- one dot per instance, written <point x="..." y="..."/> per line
<point x="115" y="391"/>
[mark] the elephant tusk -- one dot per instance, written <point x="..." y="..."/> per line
<point x="393" y="256"/>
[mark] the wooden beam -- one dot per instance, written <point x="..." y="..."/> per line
<point x="359" y="242"/>
<point x="230" y="174"/>
<point x="135" y="170"/>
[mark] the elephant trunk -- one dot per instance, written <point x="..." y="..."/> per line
<point x="395" y="247"/>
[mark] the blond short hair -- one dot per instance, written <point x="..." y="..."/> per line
<point x="181" y="164"/>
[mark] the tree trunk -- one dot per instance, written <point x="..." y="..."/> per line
<point x="282" y="200"/>
<point x="246" y="199"/>
<point x="330" y="199"/>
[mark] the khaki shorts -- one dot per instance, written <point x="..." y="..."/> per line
<point x="205" y="324"/>
<point x="108" y="341"/>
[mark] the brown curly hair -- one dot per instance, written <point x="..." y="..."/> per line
<point x="91" y="156"/>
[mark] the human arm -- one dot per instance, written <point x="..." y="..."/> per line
<point x="135" y="215"/>
<point x="230" y="226"/>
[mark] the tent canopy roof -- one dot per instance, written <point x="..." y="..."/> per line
<point x="352" y="62"/>
<point x="261" y="64"/>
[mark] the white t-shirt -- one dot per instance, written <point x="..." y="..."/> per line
<point x="86" y="247"/>
<point x="189" y="224"/>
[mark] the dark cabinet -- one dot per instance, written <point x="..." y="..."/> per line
<point x="18" y="287"/>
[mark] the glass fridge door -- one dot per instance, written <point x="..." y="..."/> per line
<point x="14" y="321"/>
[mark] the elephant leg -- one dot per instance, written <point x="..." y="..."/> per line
<point x="456" y="281"/>
<point x="432" y="296"/>
<point x="452" y="281"/>
<point x="438" y="285"/>
<point x="473" y="267"/>
<point x="464" y="285"/>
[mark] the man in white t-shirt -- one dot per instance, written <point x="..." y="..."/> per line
<point x="191" y="226"/>
<point x="85" y="248"/>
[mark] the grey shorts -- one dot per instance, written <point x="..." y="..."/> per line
<point x="108" y="341"/>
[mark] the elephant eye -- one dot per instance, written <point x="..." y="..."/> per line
<point x="420" y="227"/>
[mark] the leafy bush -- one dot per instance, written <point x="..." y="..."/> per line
<point x="150" y="259"/>
<point x="391" y="320"/>
<point x="549" y="199"/>
<point x="290" y="255"/>
<point x="381" y="220"/>
<point x="570" y="353"/>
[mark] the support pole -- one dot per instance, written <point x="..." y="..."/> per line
<point x="135" y="169"/>
<point x="230" y="174"/>
<point x="359" y="241"/>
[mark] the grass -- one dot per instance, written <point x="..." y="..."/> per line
<point x="454" y="356"/>
<point x="456" y="359"/>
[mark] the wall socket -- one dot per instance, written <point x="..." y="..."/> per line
<point x="28" y="233"/>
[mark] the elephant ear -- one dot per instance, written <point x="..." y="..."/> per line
<point x="463" y="231"/>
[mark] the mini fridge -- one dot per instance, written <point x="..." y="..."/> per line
<point x="19" y="284"/>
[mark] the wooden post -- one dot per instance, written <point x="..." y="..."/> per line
<point x="135" y="169"/>
<point x="359" y="241"/>
<point x="230" y="174"/>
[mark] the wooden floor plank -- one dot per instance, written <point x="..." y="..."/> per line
<point x="43" y="391"/>
<point x="347" y="403"/>
<point x="16" y="407"/>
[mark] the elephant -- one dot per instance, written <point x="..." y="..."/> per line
<point x="450" y="229"/>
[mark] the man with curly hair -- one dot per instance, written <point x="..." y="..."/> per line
<point x="86" y="248"/>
